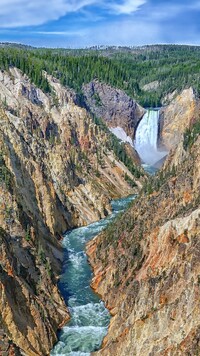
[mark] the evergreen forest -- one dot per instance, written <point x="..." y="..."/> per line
<point x="146" y="73"/>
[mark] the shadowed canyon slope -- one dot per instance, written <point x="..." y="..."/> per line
<point x="114" y="106"/>
<point x="147" y="263"/>
<point x="58" y="171"/>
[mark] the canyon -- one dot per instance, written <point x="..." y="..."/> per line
<point x="58" y="171"/>
<point x="61" y="166"/>
<point x="146" y="264"/>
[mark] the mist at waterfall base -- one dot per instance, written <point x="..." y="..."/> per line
<point x="146" y="138"/>
<point x="89" y="317"/>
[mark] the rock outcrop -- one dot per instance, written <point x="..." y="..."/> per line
<point x="56" y="172"/>
<point x="152" y="86"/>
<point x="113" y="105"/>
<point x="176" y="117"/>
<point x="147" y="265"/>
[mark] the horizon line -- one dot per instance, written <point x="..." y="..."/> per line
<point x="97" y="46"/>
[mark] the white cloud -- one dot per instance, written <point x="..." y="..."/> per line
<point x="127" y="6"/>
<point x="62" y="33"/>
<point x="19" y="13"/>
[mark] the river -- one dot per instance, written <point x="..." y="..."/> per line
<point x="89" y="317"/>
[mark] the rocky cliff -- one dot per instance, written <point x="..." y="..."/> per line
<point x="147" y="264"/>
<point x="59" y="143"/>
<point x="176" y="117"/>
<point x="58" y="170"/>
<point x="113" y="105"/>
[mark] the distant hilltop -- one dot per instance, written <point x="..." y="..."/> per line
<point x="15" y="45"/>
<point x="118" y="48"/>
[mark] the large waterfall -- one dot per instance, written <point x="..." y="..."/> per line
<point x="146" y="138"/>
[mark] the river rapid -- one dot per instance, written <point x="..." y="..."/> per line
<point x="89" y="317"/>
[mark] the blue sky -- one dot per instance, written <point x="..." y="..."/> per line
<point x="81" y="23"/>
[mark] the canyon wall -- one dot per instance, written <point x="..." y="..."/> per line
<point x="176" y="117"/>
<point x="147" y="263"/>
<point x="113" y="105"/>
<point x="57" y="172"/>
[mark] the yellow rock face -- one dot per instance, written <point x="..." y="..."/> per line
<point x="147" y="267"/>
<point x="176" y="117"/>
<point x="62" y="151"/>
<point x="56" y="173"/>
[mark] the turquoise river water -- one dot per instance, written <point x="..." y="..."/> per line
<point x="89" y="317"/>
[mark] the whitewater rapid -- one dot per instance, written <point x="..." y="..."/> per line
<point x="146" y="138"/>
<point x="89" y="317"/>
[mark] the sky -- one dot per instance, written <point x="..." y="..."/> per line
<point x="84" y="23"/>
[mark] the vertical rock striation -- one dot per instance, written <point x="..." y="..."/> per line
<point x="147" y="265"/>
<point x="176" y="117"/>
<point x="56" y="172"/>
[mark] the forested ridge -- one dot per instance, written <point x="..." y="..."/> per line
<point x="171" y="67"/>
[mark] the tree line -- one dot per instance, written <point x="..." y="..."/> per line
<point x="129" y="69"/>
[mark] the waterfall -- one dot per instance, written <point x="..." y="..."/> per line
<point x="146" y="138"/>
